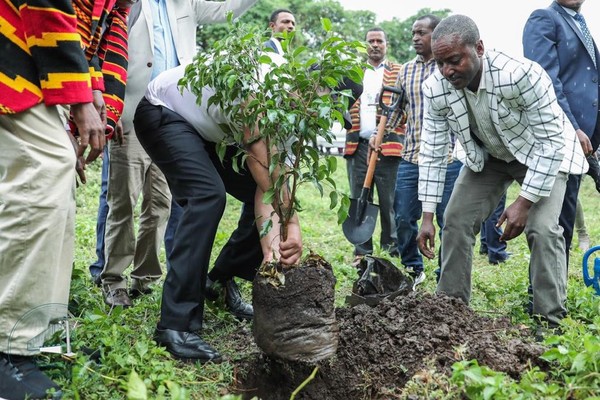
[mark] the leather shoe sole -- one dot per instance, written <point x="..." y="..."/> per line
<point x="186" y="346"/>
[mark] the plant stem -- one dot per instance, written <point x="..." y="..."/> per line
<point x="306" y="382"/>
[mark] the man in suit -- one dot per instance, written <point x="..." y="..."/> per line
<point x="365" y="115"/>
<point x="507" y="119"/>
<point x="164" y="33"/>
<point x="558" y="39"/>
<point x="281" y="20"/>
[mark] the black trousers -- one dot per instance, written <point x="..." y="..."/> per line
<point x="199" y="183"/>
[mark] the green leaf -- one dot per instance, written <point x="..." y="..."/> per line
<point x="136" y="389"/>
<point x="268" y="196"/>
<point x="326" y="23"/>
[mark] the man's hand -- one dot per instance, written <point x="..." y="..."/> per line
<point x="99" y="105"/>
<point x="290" y="251"/>
<point x="516" y="218"/>
<point x="119" y="134"/>
<point x="91" y="130"/>
<point x="426" y="236"/>
<point x="80" y="163"/>
<point x="586" y="145"/>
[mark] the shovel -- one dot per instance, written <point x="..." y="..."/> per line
<point x="359" y="226"/>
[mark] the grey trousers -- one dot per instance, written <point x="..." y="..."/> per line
<point x="131" y="174"/>
<point x="474" y="197"/>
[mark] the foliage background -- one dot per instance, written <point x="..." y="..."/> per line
<point x="351" y="25"/>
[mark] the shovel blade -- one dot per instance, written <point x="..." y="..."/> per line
<point x="358" y="230"/>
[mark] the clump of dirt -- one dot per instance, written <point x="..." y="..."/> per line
<point x="381" y="348"/>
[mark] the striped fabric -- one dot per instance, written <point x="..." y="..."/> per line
<point x="113" y="63"/>
<point x="411" y="76"/>
<point x="41" y="57"/>
<point x="392" y="142"/>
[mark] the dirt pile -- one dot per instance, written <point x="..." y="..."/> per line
<point x="382" y="347"/>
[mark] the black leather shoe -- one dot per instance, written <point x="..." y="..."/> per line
<point x="186" y="346"/>
<point x="235" y="303"/>
<point x="20" y="378"/>
<point x="138" y="289"/>
<point x="116" y="297"/>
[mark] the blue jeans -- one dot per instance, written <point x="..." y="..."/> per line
<point x="176" y="211"/>
<point x="97" y="267"/>
<point x="407" y="209"/>
<point x="490" y="235"/>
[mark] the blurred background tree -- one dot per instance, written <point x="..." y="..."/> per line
<point x="349" y="24"/>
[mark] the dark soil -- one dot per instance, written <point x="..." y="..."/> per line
<point x="381" y="348"/>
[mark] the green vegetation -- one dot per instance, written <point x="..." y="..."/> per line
<point x="132" y="367"/>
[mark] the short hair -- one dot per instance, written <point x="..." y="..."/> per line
<point x="276" y="13"/>
<point x="375" y="29"/>
<point x="457" y="25"/>
<point x="434" y="20"/>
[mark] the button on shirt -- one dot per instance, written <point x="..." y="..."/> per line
<point x="372" y="81"/>
<point x="165" y="54"/>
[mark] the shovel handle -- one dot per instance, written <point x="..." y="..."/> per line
<point x="387" y="110"/>
<point x="374" y="155"/>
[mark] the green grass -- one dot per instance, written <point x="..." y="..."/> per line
<point x="133" y="367"/>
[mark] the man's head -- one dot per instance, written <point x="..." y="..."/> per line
<point x="376" y="46"/>
<point x="457" y="50"/>
<point x="421" y="35"/>
<point x="574" y="5"/>
<point x="282" y="20"/>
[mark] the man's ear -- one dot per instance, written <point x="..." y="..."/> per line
<point x="480" y="48"/>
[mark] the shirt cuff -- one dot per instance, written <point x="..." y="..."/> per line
<point x="531" y="197"/>
<point x="428" y="207"/>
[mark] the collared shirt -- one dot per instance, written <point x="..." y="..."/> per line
<point x="372" y="81"/>
<point x="572" y="13"/>
<point x="480" y="122"/>
<point x="412" y="75"/>
<point x="208" y="120"/>
<point x="277" y="44"/>
<point x="165" y="54"/>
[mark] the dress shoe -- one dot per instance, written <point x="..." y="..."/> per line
<point x="138" y="289"/>
<point x="186" y="346"/>
<point x="116" y="297"/>
<point x="235" y="303"/>
<point x="501" y="259"/>
<point x="483" y="250"/>
<point x="20" y="378"/>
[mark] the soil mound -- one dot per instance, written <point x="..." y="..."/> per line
<point x="381" y="348"/>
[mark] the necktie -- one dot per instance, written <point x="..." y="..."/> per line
<point x="587" y="37"/>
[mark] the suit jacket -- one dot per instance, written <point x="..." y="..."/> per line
<point x="184" y="18"/>
<point x="271" y="45"/>
<point x="554" y="40"/>
<point x="524" y="110"/>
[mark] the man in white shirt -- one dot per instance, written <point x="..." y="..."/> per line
<point x="179" y="136"/>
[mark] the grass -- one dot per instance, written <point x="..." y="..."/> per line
<point x="133" y="367"/>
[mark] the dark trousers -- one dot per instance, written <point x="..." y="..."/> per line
<point x="199" y="183"/>
<point x="568" y="211"/>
